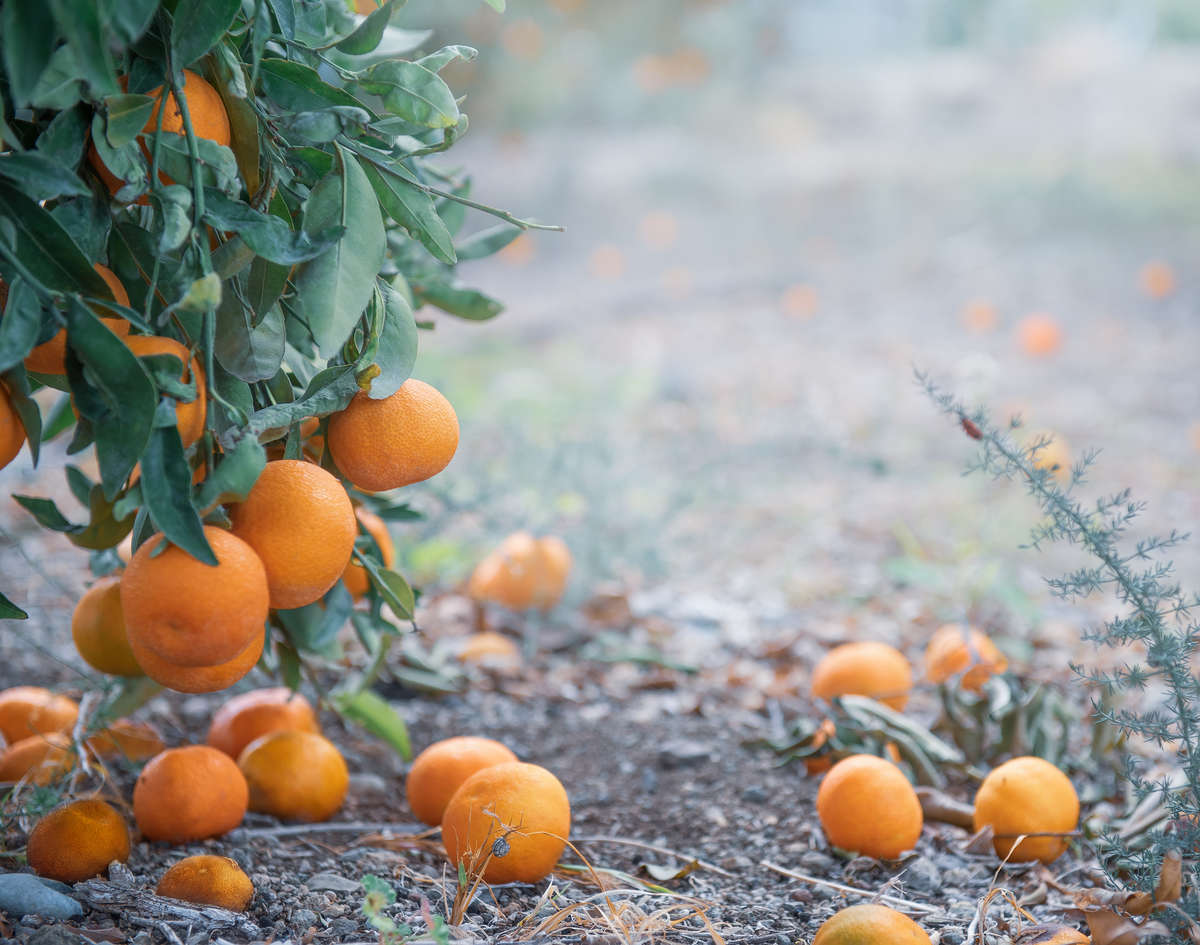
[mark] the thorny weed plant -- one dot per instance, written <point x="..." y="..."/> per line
<point x="1153" y="695"/>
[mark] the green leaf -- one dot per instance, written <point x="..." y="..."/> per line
<point x="10" y="611"/>
<point x="370" y="31"/>
<point x="167" y="488"/>
<point x="285" y="16"/>
<point x="392" y="587"/>
<point x="375" y="715"/>
<point x="198" y="25"/>
<point x="264" y="284"/>
<point x="20" y="325"/>
<point x="81" y="486"/>
<point x="59" y="85"/>
<point x="337" y="285"/>
<point x="27" y="410"/>
<point x="331" y="389"/>
<point x="28" y="37"/>
<point x="80" y="22"/>
<point x="128" y="18"/>
<point x="41" y="178"/>
<point x="269" y="236"/>
<point x="413" y="209"/>
<point x="497" y="5"/>
<point x="46" y="249"/>
<point x="102" y="531"/>
<point x="230" y="82"/>
<point x="397" y="352"/>
<point x="88" y="221"/>
<point x="296" y="87"/>
<point x="486" y="242"/>
<point x="218" y="166"/>
<point x="412" y="92"/>
<point x="313" y="628"/>
<point x="66" y="136"/>
<point x="234" y="476"/>
<point x="437" y="61"/>
<point x="321" y="127"/>
<point x="126" y="116"/>
<point x="248" y="349"/>
<point x="465" y="303"/>
<point x="117" y="397"/>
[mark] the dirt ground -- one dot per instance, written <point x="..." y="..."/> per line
<point x="755" y="470"/>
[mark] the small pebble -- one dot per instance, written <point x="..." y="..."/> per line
<point x="333" y="882"/>
<point x="304" y="919"/>
<point x="755" y="794"/>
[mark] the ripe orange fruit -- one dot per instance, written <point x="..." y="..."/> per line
<point x="870" y="924"/>
<point x="1022" y="796"/>
<point x="98" y="627"/>
<point x="209" y="120"/>
<point x="867" y="668"/>
<point x="133" y="741"/>
<point x="12" y="431"/>
<point x="490" y="649"/>
<point x="208" y="880"/>
<point x="523" y="572"/>
<point x="819" y="764"/>
<point x="1052" y="935"/>
<point x="1054" y="457"/>
<point x="441" y="769"/>
<point x="1157" y="279"/>
<point x="190" y="613"/>
<point x="396" y="441"/>
<point x="295" y="776"/>
<point x="523" y="805"/>
<point x="77" y="841"/>
<point x="867" y="805"/>
<point x="43" y="758"/>
<point x="300" y="521"/>
<point x="953" y="648"/>
<point x="1039" y="335"/>
<point x="50" y="357"/>
<point x="189" y="793"/>
<point x="554" y="568"/>
<point x="32" y="710"/>
<point x="355" y="576"/>
<point x="189" y="417"/>
<point x="312" y="447"/>
<point x="255" y="713"/>
<point x="200" y="678"/>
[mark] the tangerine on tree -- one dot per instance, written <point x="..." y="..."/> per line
<point x="199" y="678"/>
<point x="189" y="415"/>
<point x="355" y="576"/>
<point x="12" y="431"/>
<point x="50" y="357"/>
<point x="98" y="628"/>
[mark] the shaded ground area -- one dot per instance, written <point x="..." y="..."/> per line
<point x="755" y="466"/>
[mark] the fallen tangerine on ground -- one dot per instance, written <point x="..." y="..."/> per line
<point x="980" y="317"/>
<point x="77" y="841"/>
<point x="355" y="576"/>
<point x="299" y="520"/>
<point x="12" y="431"/>
<point x="190" y="416"/>
<point x="954" y="648"/>
<point x="1157" y="279"/>
<point x="867" y="805"/>
<point x="1054" y="457"/>
<point x="870" y="924"/>
<point x="1039" y="335"/>
<point x="396" y="441"/>
<point x="864" y="668"/>
<point x="189" y="613"/>
<point x="33" y="710"/>
<point x="508" y="575"/>
<point x="553" y="571"/>
<point x="41" y="759"/>
<point x="200" y="678"/>
<point x="255" y="713"/>
<point x="1022" y="796"/>
<point x="205" y="108"/>
<point x="132" y="741"/>
<point x="489" y="649"/>
<point x="208" y="880"/>
<point x="523" y="805"/>
<point x="295" y="776"/>
<point x="98" y="628"/>
<point x="441" y="769"/>
<point x="188" y="794"/>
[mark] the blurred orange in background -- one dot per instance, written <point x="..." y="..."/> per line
<point x="1157" y="279"/>
<point x="800" y="301"/>
<point x="1039" y="335"/>
<point x="980" y="317"/>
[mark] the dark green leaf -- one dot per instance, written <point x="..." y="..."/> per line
<point x="87" y="221"/>
<point x="104" y="528"/>
<point x="45" y="248"/>
<point x="392" y="587"/>
<point x="28" y="36"/>
<point x="248" y="349"/>
<point x="264" y="284"/>
<point x="328" y="391"/>
<point x="370" y="31"/>
<point x="126" y="116"/>
<point x="79" y="21"/>
<point x="437" y="61"/>
<point x="59" y="85"/>
<point x="285" y="17"/>
<point x="167" y="488"/>
<point x="485" y="242"/>
<point x="10" y="611"/>
<point x="414" y="210"/>
<point x="198" y="25"/>
<point x="61" y="417"/>
<point x="397" y="344"/>
<point x="400" y="512"/>
<point x="266" y="234"/>
<point x="412" y="92"/>
<point x="66" y="136"/>
<point x="129" y="18"/>
<point x="174" y="203"/>
<point x="46" y="513"/>
<point x="313" y="628"/>
<point x="289" y="664"/>
<point x="296" y="87"/>
<point x="370" y="711"/>
<point x="465" y="303"/>
<point x="243" y="120"/>
<point x="337" y="285"/>
<point x="218" y="166"/>
<point x="27" y="410"/>
<point x="234" y="476"/>
<point x="81" y="486"/>
<point x="127" y="163"/>
<point x="20" y="324"/>
<point x="321" y="127"/>
<point x="117" y="396"/>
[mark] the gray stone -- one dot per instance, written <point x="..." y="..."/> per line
<point x="332" y="882"/>
<point x="755" y="794"/>
<point x="684" y="753"/>
<point x="952" y="936"/>
<point x="304" y="918"/>
<point x="57" y="935"/>
<point x="23" y="894"/>
<point x="343" y="927"/>
<point x="922" y="875"/>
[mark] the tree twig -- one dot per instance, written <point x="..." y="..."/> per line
<point x="896" y="901"/>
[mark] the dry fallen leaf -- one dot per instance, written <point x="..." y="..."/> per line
<point x="940" y="807"/>
<point x="1170" y="878"/>
<point x="1050" y="935"/>
<point x="1109" y="927"/>
<point x="980" y="843"/>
